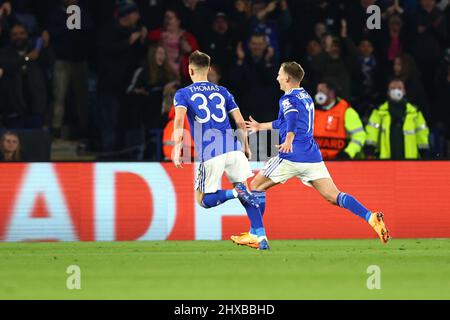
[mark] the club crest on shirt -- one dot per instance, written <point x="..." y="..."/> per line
<point x="286" y="104"/>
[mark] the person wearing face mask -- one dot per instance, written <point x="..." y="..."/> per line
<point x="397" y="130"/>
<point x="339" y="130"/>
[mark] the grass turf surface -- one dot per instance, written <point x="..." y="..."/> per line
<point x="335" y="269"/>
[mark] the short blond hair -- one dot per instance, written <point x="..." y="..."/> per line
<point x="200" y="60"/>
<point x="294" y="70"/>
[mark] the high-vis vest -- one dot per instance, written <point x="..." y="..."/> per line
<point x="415" y="131"/>
<point x="334" y="127"/>
<point x="168" y="143"/>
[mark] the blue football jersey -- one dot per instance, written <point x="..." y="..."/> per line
<point x="306" y="150"/>
<point x="208" y="106"/>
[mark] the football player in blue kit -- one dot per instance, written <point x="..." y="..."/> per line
<point x="220" y="149"/>
<point x="299" y="155"/>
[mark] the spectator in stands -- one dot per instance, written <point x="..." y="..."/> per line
<point x="5" y="8"/>
<point x="252" y="78"/>
<point x="240" y="19"/>
<point x="195" y="16"/>
<point x="220" y="43"/>
<point x="392" y="7"/>
<point x="362" y="66"/>
<point x="404" y="68"/>
<point x="215" y="74"/>
<point x="444" y="5"/>
<point x="149" y="84"/>
<point x="152" y="12"/>
<point x="264" y="22"/>
<point x="21" y="12"/>
<point x="151" y="81"/>
<point x="178" y="43"/>
<point x="357" y="16"/>
<point x="5" y="22"/>
<point x="320" y="31"/>
<point x="337" y="126"/>
<point x="312" y="63"/>
<point x="30" y="13"/>
<point x="189" y="153"/>
<point x="397" y="129"/>
<point x="10" y="147"/>
<point x="429" y="41"/>
<point x="393" y="42"/>
<point x="441" y="109"/>
<point x="328" y="13"/>
<point x="71" y="68"/>
<point x="24" y="65"/>
<point x="3" y="95"/>
<point x="370" y="72"/>
<point x="120" y="48"/>
<point x="334" y="65"/>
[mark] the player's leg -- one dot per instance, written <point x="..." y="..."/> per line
<point x="208" y="179"/>
<point x="259" y="186"/>
<point x="238" y="171"/>
<point x="274" y="173"/>
<point x="265" y="181"/>
<point x="211" y="200"/>
<point x="330" y="192"/>
<point x="322" y="182"/>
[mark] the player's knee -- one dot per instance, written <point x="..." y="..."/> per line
<point x="331" y="198"/>
<point x="255" y="186"/>
<point x="203" y="205"/>
<point x="200" y="201"/>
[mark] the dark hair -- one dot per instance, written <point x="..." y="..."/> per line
<point x="395" y="79"/>
<point x="331" y="85"/>
<point x="175" y="11"/>
<point x="258" y="35"/>
<point x="200" y="60"/>
<point x="365" y="39"/>
<point x="294" y="70"/>
<point x="18" y="25"/>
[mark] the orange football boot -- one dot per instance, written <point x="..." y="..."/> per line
<point x="245" y="239"/>
<point x="377" y="222"/>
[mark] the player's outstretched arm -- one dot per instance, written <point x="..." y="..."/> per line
<point x="242" y="132"/>
<point x="178" y="130"/>
<point x="254" y="126"/>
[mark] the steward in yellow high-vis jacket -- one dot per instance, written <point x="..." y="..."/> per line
<point x="338" y="129"/>
<point x="397" y="130"/>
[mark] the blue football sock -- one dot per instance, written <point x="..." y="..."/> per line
<point x="261" y="196"/>
<point x="212" y="200"/>
<point x="255" y="217"/>
<point x="348" y="202"/>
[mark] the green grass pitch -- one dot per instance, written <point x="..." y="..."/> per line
<point x="334" y="269"/>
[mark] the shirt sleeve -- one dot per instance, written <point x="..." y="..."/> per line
<point x="231" y="103"/>
<point x="180" y="101"/>
<point x="276" y="125"/>
<point x="291" y="120"/>
<point x="288" y="107"/>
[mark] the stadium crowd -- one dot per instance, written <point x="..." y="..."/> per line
<point x="111" y="83"/>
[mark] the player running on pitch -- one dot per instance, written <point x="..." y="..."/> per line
<point x="208" y="108"/>
<point x="299" y="155"/>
